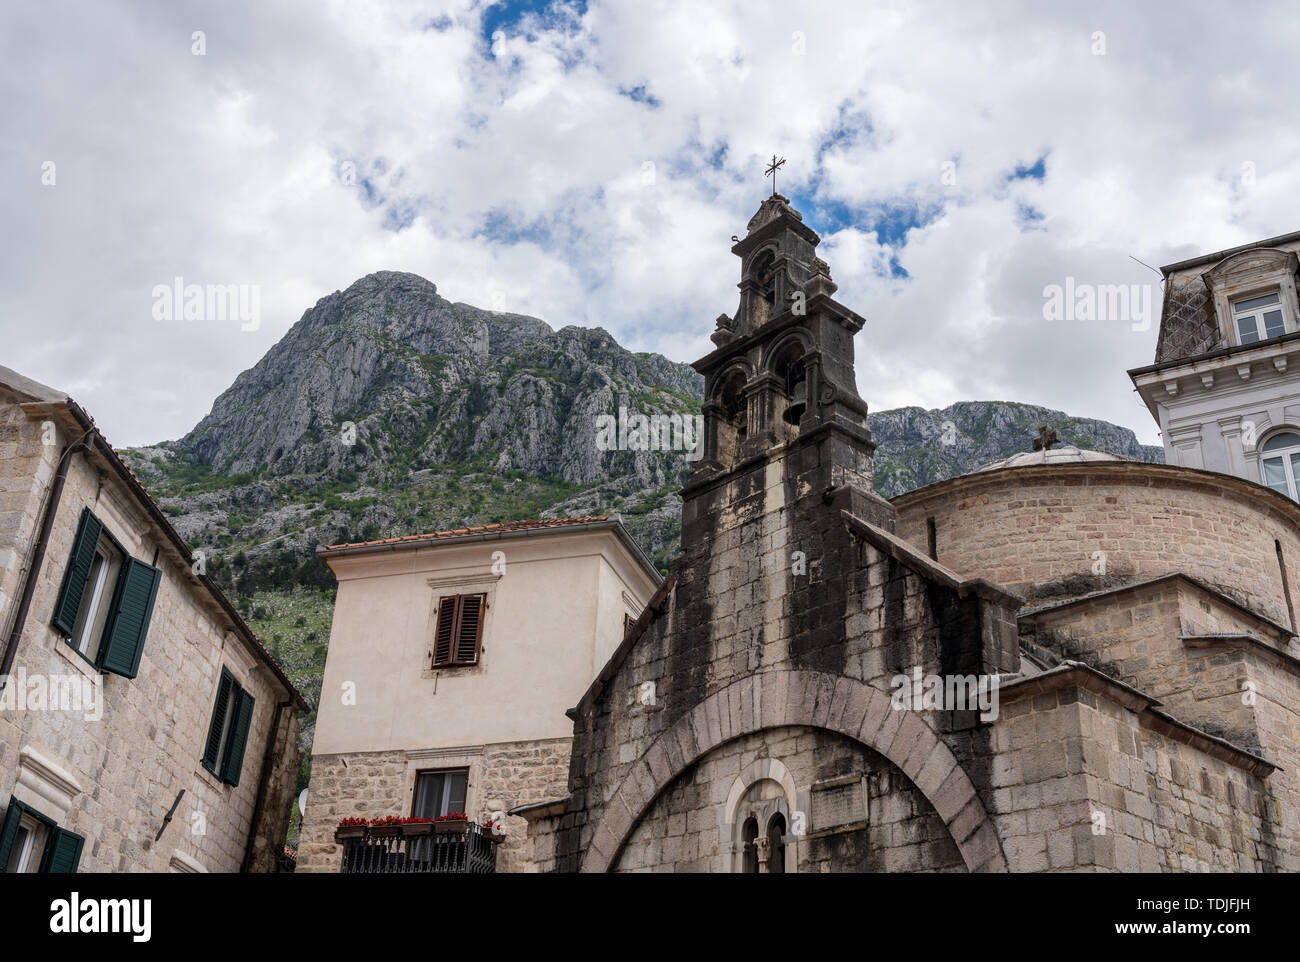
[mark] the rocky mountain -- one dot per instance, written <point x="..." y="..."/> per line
<point x="389" y="410"/>
<point x="919" y="447"/>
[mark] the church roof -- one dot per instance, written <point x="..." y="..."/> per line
<point x="1067" y="454"/>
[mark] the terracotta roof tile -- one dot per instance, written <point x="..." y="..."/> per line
<point x="477" y="529"/>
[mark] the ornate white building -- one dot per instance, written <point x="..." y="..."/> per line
<point x="1225" y="386"/>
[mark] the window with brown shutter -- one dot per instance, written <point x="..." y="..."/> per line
<point x="460" y="630"/>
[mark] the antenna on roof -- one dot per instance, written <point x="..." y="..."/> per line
<point x="1148" y="267"/>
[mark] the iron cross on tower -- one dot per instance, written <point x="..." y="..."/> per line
<point x="772" y="168"/>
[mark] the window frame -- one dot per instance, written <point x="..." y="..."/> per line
<point x="103" y="609"/>
<point x="93" y="620"/>
<point x="1236" y="315"/>
<point x="455" y="630"/>
<point x="1249" y="274"/>
<point x="1284" y="455"/>
<point x="32" y="831"/>
<point x="51" y="838"/>
<point x="445" y="791"/>
<point x="232" y="736"/>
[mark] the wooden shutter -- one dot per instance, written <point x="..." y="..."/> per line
<point x="212" y="748"/>
<point x="446" y="632"/>
<point x="9" y="832"/>
<point x="128" y="619"/>
<point x="78" y="572"/>
<point x="469" y="629"/>
<point x="242" y="707"/>
<point x="460" y="630"/>
<point x="63" y="852"/>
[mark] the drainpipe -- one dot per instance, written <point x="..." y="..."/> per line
<point x="38" y="556"/>
<point x="262" y="785"/>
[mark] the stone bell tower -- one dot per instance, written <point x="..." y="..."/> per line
<point x="780" y="386"/>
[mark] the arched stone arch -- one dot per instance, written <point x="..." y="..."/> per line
<point x="781" y="346"/>
<point x="777" y="699"/>
<point x="769" y="252"/>
<point x="1255" y="259"/>
<point x="740" y="368"/>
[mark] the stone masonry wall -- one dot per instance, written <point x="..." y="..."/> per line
<point x="891" y="827"/>
<point x="1084" y="782"/>
<point x="131" y="763"/>
<point x="1207" y="663"/>
<point x="741" y="608"/>
<point x="374" y="784"/>
<point x="1038" y="531"/>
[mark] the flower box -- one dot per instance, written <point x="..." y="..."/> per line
<point x="451" y="827"/>
<point x="413" y="828"/>
<point x="344" y="832"/>
<point x="388" y="827"/>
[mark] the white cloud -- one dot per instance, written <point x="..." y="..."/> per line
<point x="517" y="165"/>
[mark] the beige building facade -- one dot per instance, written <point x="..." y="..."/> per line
<point x="142" y="725"/>
<point x="452" y="659"/>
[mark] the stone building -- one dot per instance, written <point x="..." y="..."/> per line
<point x="1065" y="661"/>
<point x="142" y="725"/>
<point x="1225" y="385"/>
<point x="452" y="659"/>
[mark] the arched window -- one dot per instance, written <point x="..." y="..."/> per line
<point x="748" y="834"/>
<point x="759" y="808"/>
<point x="788" y="365"/>
<point x="732" y="398"/>
<point x="1280" y="463"/>
<point x="776" y="844"/>
<point x="765" y="275"/>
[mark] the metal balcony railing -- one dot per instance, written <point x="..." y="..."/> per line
<point x="471" y="851"/>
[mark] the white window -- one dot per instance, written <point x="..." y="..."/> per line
<point x="1259" y="318"/>
<point x="29" y="846"/>
<point x="438" y="793"/>
<point x="95" y="602"/>
<point x="1280" y="462"/>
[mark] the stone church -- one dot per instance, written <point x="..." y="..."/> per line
<point x="1062" y="661"/>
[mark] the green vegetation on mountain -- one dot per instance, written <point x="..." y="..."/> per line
<point x="387" y="410"/>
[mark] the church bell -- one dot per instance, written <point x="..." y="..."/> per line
<point x="798" y="390"/>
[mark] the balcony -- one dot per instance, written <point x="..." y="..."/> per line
<point x="463" y="847"/>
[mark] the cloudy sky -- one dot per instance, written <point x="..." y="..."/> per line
<point x="588" y="164"/>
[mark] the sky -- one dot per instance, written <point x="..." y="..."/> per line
<point x="588" y="163"/>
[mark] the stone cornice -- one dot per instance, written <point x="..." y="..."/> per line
<point x="1134" y="586"/>
<point x="1073" y="674"/>
<point x="1247" y="642"/>
<point x="905" y="554"/>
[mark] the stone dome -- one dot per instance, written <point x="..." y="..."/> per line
<point x="1066" y="454"/>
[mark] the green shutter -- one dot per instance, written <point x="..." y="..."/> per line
<point x="128" y="619"/>
<point x="242" y="718"/>
<point x="212" y="749"/>
<point x="78" y="572"/>
<point x="62" y="852"/>
<point x="9" y="832"/>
